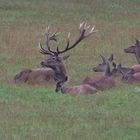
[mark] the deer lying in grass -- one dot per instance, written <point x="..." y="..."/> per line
<point x="118" y="68"/>
<point x="104" y="82"/>
<point x="54" y="61"/>
<point x="134" y="49"/>
<point x="39" y="76"/>
<point x="131" y="77"/>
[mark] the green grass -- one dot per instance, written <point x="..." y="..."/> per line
<point x="35" y="112"/>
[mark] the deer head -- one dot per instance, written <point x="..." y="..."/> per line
<point x="134" y="49"/>
<point x="23" y="76"/>
<point x="55" y="61"/>
<point x="103" y="66"/>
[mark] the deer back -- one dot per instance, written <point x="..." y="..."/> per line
<point x="41" y="76"/>
<point x="103" y="82"/>
<point x="79" y="90"/>
<point x="22" y="77"/>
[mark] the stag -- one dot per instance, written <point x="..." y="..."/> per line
<point x="134" y="49"/>
<point x="104" y="82"/>
<point x="55" y="61"/>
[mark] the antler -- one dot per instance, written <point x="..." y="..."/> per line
<point x="49" y="38"/>
<point x="84" y="32"/>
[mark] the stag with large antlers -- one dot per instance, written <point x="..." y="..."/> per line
<point x="54" y="60"/>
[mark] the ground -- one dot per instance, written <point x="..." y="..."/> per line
<point x="37" y="112"/>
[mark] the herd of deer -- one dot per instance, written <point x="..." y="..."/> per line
<point x="53" y="70"/>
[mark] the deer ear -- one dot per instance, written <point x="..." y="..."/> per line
<point x="66" y="78"/>
<point x="114" y="64"/>
<point x="111" y="57"/>
<point x="65" y="57"/>
<point x="137" y="41"/>
<point x="103" y="59"/>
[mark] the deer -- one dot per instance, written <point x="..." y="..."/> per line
<point x="131" y="77"/>
<point x="38" y="76"/>
<point x="134" y="49"/>
<point x="117" y="68"/>
<point x="55" y="61"/>
<point x="103" y="82"/>
<point x="115" y="71"/>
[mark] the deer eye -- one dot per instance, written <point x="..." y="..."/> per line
<point x="53" y="58"/>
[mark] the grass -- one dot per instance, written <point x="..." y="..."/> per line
<point x="35" y="112"/>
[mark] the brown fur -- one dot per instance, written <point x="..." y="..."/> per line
<point x="104" y="82"/>
<point x="136" y="68"/>
<point x="135" y="78"/>
<point x="79" y="90"/>
<point x="100" y="83"/>
<point x="39" y="76"/>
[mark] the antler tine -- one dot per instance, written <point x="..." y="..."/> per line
<point x="85" y="25"/>
<point x="81" y="25"/>
<point x="50" y="38"/>
<point x="43" y="51"/>
<point x="89" y="32"/>
<point x="47" y="29"/>
<point x="103" y="58"/>
<point x="68" y="41"/>
<point x="67" y="46"/>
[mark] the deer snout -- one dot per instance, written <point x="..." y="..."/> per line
<point x="42" y="64"/>
<point x="126" y="50"/>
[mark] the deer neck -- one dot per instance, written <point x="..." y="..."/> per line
<point x="107" y="71"/>
<point x="137" y="54"/>
<point x="61" y="86"/>
<point x="60" y="73"/>
<point x="64" y="88"/>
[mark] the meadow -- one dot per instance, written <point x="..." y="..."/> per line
<point x="37" y="112"/>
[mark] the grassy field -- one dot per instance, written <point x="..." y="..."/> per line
<point x="38" y="113"/>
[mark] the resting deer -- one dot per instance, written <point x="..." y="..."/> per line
<point x="104" y="82"/>
<point x="115" y="71"/>
<point x="135" y="49"/>
<point x="131" y="77"/>
<point x="39" y="76"/>
<point x="54" y="61"/>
